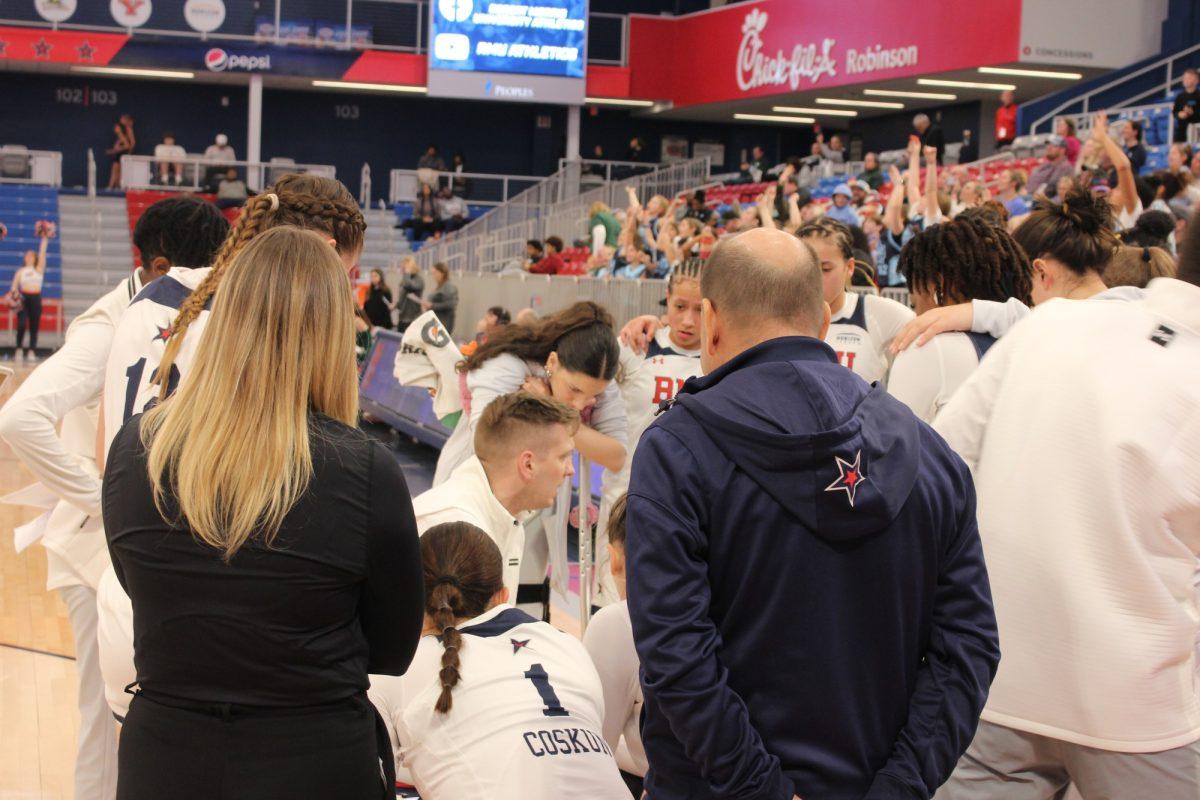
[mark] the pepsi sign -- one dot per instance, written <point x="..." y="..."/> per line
<point x="220" y="60"/>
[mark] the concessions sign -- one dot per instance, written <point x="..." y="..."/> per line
<point x="782" y="46"/>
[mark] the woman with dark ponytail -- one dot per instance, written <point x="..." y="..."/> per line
<point x="495" y="703"/>
<point x="964" y="259"/>
<point x="571" y="356"/>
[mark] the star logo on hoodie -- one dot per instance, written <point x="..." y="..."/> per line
<point x="850" y="476"/>
<point x="518" y="644"/>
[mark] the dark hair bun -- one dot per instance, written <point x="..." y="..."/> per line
<point x="1088" y="213"/>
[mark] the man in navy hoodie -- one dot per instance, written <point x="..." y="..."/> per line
<point x="806" y="582"/>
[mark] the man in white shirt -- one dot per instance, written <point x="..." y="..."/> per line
<point x="67" y="388"/>
<point x="523" y="453"/>
<point x="170" y="159"/>
<point x="221" y="153"/>
<point x="1082" y="428"/>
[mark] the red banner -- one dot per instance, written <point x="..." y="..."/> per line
<point x="60" y="47"/>
<point x="783" y="46"/>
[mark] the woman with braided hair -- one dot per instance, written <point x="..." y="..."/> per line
<point x="648" y="380"/>
<point x="160" y="333"/>
<point x="1068" y="244"/>
<point x="571" y="356"/>
<point x="968" y="258"/>
<point x="495" y="703"/>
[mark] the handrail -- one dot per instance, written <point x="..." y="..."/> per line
<point x="1167" y="62"/>
<point x="138" y="172"/>
<point x="397" y="193"/>
<point x="45" y="166"/>
<point x="364" y="186"/>
<point x="91" y="173"/>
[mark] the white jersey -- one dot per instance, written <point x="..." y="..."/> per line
<point x="139" y="343"/>
<point x="924" y="378"/>
<point x="525" y="723"/>
<point x="609" y="641"/>
<point x="467" y="497"/>
<point x="1082" y="431"/>
<point x="646" y="382"/>
<point x="114" y="640"/>
<point x="862" y="330"/>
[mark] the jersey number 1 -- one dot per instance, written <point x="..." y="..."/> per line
<point x="541" y="682"/>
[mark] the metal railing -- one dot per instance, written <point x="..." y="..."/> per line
<point x="1083" y="122"/>
<point x="1169" y="80"/>
<point x="482" y="188"/>
<point x="199" y="173"/>
<point x="394" y="25"/>
<point x="556" y="206"/>
<point x="597" y="169"/>
<point x="21" y="165"/>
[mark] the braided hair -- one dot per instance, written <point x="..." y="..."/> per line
<point x="824" y="228"/>
<point x="305" y="201"/>
<point x="688" y="270"/>
<point x="463" y="571"/>
<point x="967" y="258"/>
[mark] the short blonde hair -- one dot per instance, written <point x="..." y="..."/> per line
<point x="598" y="208"/>
<point x="510" y="421"/>
<point x="231" y="445"/>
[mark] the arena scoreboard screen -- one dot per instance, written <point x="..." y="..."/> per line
<point x="534" y="52"/>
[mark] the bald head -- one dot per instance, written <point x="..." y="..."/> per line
<point x="765" y="276"/>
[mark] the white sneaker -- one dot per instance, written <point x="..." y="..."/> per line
<point x="31" y="357"/>
<point x="18" y="356"/>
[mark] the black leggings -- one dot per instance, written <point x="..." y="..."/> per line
<point x="204" y="751"/>
<point x="30" y="316"/>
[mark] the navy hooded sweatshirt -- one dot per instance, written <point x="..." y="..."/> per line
<point x="807" y="588"/>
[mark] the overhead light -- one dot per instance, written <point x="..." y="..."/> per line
<point x="830" y="112"/>
<point x="999" y="87"/>
<point x="131" y="72"/>
<point x="771" y="118"/>
<point x="834" y="101"/>
<point x="370" y="87"/>
<point x="914" y="95"/>
<point x="618" y="101"/>
<point x="1031" y="73"/>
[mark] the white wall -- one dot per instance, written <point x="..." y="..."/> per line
<point x="1092" y="33"/>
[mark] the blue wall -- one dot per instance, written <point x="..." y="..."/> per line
<point x="68" y="113"/>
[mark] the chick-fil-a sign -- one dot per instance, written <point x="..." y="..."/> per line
<point x="770" y="47"/>
<point x="757" y="68"/>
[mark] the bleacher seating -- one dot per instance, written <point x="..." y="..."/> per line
<point x="138" y="201"/>
<point x="21" y="206"/>
<point x="1156" y="133"/>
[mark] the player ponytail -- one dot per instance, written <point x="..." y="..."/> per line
<point x="463" y="572"/>
<point x="310" y="202"/>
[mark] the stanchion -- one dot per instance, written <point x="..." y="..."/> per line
<point x="585" y="543"/>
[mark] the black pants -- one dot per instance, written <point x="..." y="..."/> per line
<point x="202" y="751"/>
<point x="30" y="316"/>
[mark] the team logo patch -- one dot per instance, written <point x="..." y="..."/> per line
<point x="162" y="335"/>
<point x="518" y="644"/>
<point x="850" y="476"/>
<point x="434" y="335"/>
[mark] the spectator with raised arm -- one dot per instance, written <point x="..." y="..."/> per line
<point x="1126" y="204"/>
<point x="26" y="292"/>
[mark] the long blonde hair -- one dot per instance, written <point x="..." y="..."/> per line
<point x="306" y="201"/>
<point x="230" y="446"/>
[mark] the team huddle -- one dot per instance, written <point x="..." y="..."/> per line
<point x="379" y="660"/>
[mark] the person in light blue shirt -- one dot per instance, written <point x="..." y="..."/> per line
<point x="841" y="210"/>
